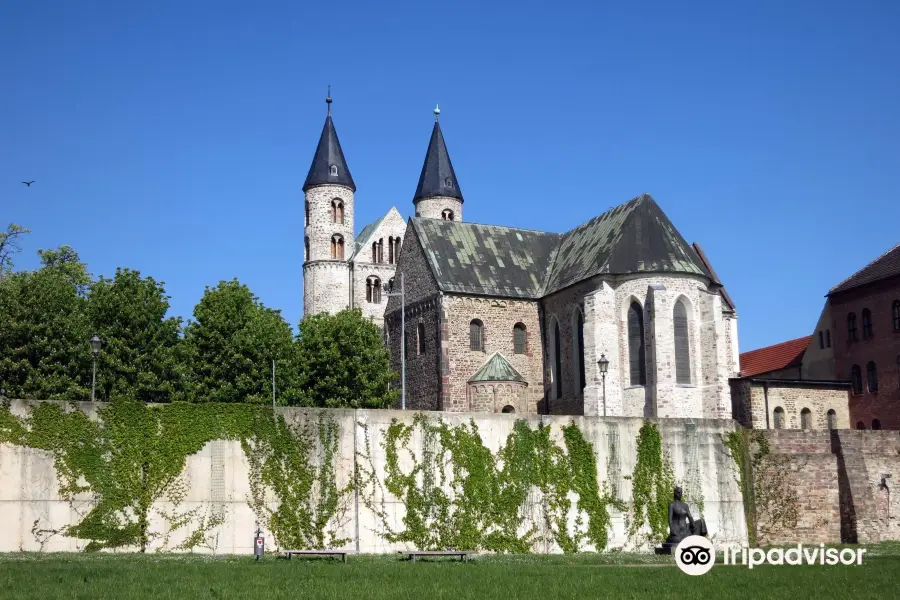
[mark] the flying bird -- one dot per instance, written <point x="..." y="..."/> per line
<point x="28" y="183"/>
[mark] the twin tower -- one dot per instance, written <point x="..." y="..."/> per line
<point x="341" y="270"/>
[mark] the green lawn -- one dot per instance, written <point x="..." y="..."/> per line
<point x="195" y="577"/>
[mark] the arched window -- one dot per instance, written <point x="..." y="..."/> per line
<point x="337" y="211"/>
<point x="337" y="247"/>
<point x="374" y="252"/>
<point x="380" y="251"/>
<point x="867" y="323"/>
<point x="779" y="417"/>
<point x="860" y="425"/>
<point x="447" y="214"/>
<point x="373" y="290"/>
<point x="333" y="170"/>
<point x="805" y="419"/>
<point x="557" y="361"/>
<point x="636" y="353"/>
<point x="876" y="424"/>
<point x="856" y="379"/>
<point x="821" y="340"/>
<point x="508" y="409"/>
<point x="851" y="327"/>
<point x="682" y="344"/>
<point x="397" y="249"/>
<point x="828" y="338"/>
<point x="306" y="246"/>
<point x="391" y="250"/>
<point x="307" y="212"/>
<point x="420" y="338"/>
<point x="872" y="377"/>
<point x="578" y="347"/>
<point x="832" y="419"/>
<point x="519" y="339"/>
<point x="895" y="314"/>
<point x="476" y="336"/>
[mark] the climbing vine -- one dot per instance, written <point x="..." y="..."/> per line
<point x="653" y="480"/>
<point x="458" y="494"/>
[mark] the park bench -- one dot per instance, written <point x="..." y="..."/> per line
<point x="341" y="553"/>
<point x="414" y="554"/>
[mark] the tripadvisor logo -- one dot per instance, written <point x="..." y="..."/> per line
<point x="695" y="555"/>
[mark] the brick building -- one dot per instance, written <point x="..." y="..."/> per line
<point x="865" y="335"/>
<point x="500" y="319"/>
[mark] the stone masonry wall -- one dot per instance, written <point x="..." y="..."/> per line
<point x="326" y="282"/>
<point x="499" y="316"/>
<point x="363" y="266"/>
<point x="326" y="287"/>
<point x="749" y="397"/>
<point x="432" y="208"/>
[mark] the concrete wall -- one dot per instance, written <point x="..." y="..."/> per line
<point x="843" y="496"/>
<point x="217" y="479"/>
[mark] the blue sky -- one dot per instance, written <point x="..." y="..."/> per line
<point x="174" y="137"/>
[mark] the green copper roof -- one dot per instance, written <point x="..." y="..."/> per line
<point x="497" y="368"/>
<point x="363" y="236"/>
<point x="488" y="260"/>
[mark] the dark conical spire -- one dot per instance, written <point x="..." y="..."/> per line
<point x="328" y="165"/>
<point x="438" y="177"/>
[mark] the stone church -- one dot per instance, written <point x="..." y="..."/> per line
<point x="500" y="319"/>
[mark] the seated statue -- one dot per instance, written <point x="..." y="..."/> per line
<point x="681" y="523"/>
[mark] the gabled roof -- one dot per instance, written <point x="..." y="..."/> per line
<point x="366" y="233"/>
<point x="635" y="237"/>
<point x="487" y="260"/>
<point x="886" y="265"/>
<point x="438" y="177"/>
<point x="773" y="358"/>
<point x="328" y="154"/>
<point x="497" y="368"/>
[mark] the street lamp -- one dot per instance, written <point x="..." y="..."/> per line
<point x="96" y="344"/>
<point x="388" y="287"/>
<point x="604" y="366"/>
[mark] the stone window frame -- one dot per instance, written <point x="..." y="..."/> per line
<point x="895" y="314"/>
<point x="337" y="247"/>
<point x="391" y="258"/>
<point x="866" y="324"/>
<point x="333" y="170"/>
<point x="306" y="247"/>
<point x="860" y="425"/>
<point x="420" y="338"/>
<point x="831" y="419"/>
<point x="636" y="372"/>
<point x="872" y="377"/>
<point x="851" y="327"/>
<point x="520" y="327"/>
<point x="511" y="408"/>
<point x="856" y="384"/>
<point x="306" y="210"/>
<point x="821" y="340"/>
<point x="805" y="418"/>
<point x="555" y="357"/>
<point x="447" y="215"/>
<point x="828" y="338"/>
<point x="477" y="336"/>
<point x="876" y="424"/>
<point x="678" y="357"/>
<point x="579" y="373"/>
<point x="373" y="289"/>
<point x="778" y="418"/>
<point x="337" y="211"/>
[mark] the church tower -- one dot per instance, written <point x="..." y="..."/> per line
<point x="438" y="195"/>
<point x="328" y="230"/>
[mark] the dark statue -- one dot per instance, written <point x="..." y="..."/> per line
<point x="681" y="523"/>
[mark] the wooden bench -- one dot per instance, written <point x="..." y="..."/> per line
<point x="414" y="554"/>
<point x="341" y="553"/>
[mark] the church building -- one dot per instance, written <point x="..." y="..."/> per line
<point x="619" y="316"/>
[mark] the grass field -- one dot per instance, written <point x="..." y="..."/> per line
<point x="195" y="577"/>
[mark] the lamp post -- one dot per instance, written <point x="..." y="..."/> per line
<point x="96" y="344"/>
<point x="604" y="365"/>
<point x="388" y="287"/>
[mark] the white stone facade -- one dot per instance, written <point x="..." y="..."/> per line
<point x="433" y="208"/>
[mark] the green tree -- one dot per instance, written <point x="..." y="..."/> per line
<point x="230" y="345"/>
<point x="44" y="350"/>
<point x="343" y="362"/>
<point x="140" y="357"/>
<point x="9" y="245"/>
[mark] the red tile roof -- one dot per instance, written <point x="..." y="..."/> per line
<point x="772" y="358"/>
<point x="886" y="265"/>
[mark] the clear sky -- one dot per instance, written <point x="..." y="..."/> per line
<point x="174" y="137"/>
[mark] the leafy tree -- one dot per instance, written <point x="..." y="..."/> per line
<point x="9" y="245"/>
<point x="230" y="346"/>
<point x="343" y="362"/>
<point x="140" y="352"/>
<point x="44" y="350"/>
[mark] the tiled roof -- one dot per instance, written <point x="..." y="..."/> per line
<point x="886" y="265"/>
<point x="489" y="260"/>
<point x="773" y="358"/>
<point x="497" y="368"/>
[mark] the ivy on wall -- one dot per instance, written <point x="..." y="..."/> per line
<point x="458" y="494"/>
<point x="653" y="481"/>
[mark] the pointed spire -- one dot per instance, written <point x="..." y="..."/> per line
<point x="328" y="165"/>
<point x="438" y="177"/>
